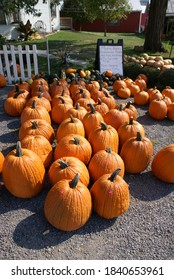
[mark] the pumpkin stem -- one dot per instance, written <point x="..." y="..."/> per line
<point x="114" y="174"/>
<point x="131" y="120"/>
<point x="120" y="107"/>
<point x="77" y="106"/>
<point x="108" y="150"/>
<point x="128" y="104"/>
<point x="63" y="164"/>
<point x="139" y="136"/>
<point x="71" y="118"/>
<point x="99" y="101"/>
<point x="104" y="125"/>
<point x="74" y="181"/>
<point x="33" y="105"/>
<point x="34" y="125"/>
<point x="62" y="99"/>
<point x="18" y="149"/>
<point x="92" y="108"/>
<point x="76" y="140"/>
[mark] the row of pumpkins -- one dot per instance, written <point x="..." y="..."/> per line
<point x="85" y="141"/>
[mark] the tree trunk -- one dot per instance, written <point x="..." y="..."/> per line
<point x="155" y="27"/>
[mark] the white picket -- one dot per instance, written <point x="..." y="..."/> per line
<point x="8" y="64"/>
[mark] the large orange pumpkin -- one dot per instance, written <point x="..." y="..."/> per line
<point x="110" y="195"/>
<point x="136" y="153"/>
<point x="163" y="163"/>
<point x="23" y="172"/>
<point x="68" y="205"/>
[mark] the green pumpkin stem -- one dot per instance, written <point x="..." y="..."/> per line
<point x="34" y="125"/>
<point x="76" y="140"/>
<point x="131" y="120"/>
<point x="114" y="175"/>
<point x="74" y="181"/>
<point x="33" y="105"/>
<point x="108" y="150"/>
<point x="139" y="136"/>
<point x="92" y="108"/>
<point x="99" y="101"/>
<point x="128" y="104"/>
<point x="77" y="106"/>
<point x="120" y="107"/>
<point x="104" y="125"/>
<point x="72" y="120"/>
<point x="18" y="149"/>
<point x="62" y="99"/>
<point x="63" y="164"/>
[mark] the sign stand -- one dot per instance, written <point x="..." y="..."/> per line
<point x="109" y="56"/>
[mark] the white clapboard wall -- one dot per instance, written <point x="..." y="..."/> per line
<point x="12" y="55"/>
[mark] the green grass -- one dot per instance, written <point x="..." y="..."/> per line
<point x="82" y="46"/>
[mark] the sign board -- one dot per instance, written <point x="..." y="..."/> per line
<point x="109" y="56"/>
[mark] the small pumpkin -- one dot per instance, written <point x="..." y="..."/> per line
<point x="77" y="112"/>
<point x="103" y="136"/>
<point x="73" y="145"/>
<point x="116" y="117"/>
<point x="59" y="110"/>
<point x="70" y="125"/>
<point x="158" y="109"/>
<point x="110" y="195"/>
<point x="101" y="107"/>
<point x="45" y="150"/>
<point x="68" y="204"/>
<point x="128" y="130"/>
<point x="14" y="105"/>
<point x="35" y="112"/>
<point x="36" y="127"/>
<point x="91" y="119"/>
<point x="3" y="81"/>
<point x="105" y="161"/>
<point x="66" y="168"/>
<point x="170" y="111"/>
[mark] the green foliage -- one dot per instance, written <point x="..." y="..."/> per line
<point x="26" y="29"/>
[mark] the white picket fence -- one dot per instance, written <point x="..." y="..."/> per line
<point x="12" y="55"/>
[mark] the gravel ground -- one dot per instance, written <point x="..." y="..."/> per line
<point x="145" y="231"/>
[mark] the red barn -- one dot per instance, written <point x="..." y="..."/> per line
<point x="135" y="22"/>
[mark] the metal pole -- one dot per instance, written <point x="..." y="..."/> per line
<point x="48" y="56"/>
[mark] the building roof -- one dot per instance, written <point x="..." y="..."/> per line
<point x="139" y="5"/>
<point x="170" y="8"/>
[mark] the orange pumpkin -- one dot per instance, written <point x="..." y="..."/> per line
<point x="73" y="145"/>
<point x="23" y="172"/>
<point x="1" y="161"/>
<point x="110" y="195"/>
<point x="103" y="136"/>
<point x="66" y="168"/>
<point x="68" y="205"/>
<point x="136" y="153"/>
<point x="162" y="164"/>
<point x="105" y="161"/>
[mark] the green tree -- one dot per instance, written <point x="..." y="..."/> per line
<point x="155" y="27"/>
<point x="107" y="10"/>
<point x="75" y="9"/>
<point x="12" y="6"/>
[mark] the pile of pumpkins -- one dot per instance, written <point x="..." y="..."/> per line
<point x="146" y="60"/>
<point x="84" y="140"/>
